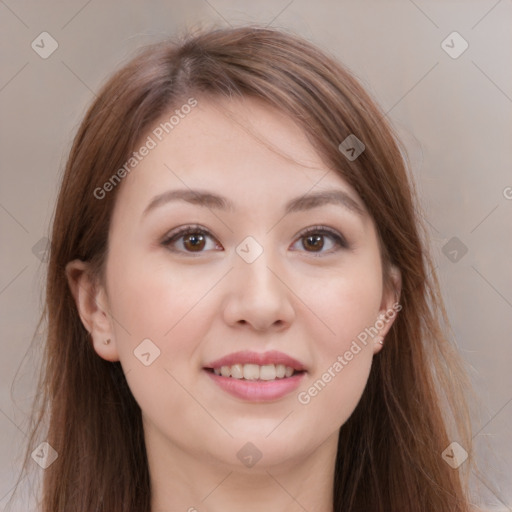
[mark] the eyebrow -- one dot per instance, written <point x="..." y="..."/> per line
<point x="215" y="201"/>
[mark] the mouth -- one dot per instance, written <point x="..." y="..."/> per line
<point x="255" y="376"/>
<point x="255" y="372"/>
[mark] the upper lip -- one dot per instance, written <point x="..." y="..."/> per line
<point x="259" y="358"/>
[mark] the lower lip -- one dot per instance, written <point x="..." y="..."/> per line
<point x="257" y="390"/>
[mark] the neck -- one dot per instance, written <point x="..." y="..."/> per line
<point x="194" y="482"/>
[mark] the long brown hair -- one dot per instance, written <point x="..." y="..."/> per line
<point x="414" y="405"/>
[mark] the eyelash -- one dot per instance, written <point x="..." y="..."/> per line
<point x="175" y="235"/>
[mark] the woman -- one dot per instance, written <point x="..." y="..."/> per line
<point x="241" y="309"/>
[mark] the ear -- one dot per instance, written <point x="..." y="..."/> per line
<point x="92" y="305"/>
<point x="390" y="306"/>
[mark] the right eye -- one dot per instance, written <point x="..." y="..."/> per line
<point x="190" y="239"/>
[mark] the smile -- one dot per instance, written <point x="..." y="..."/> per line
<point x="255" y="372"/>
<point x="256" y="377"/>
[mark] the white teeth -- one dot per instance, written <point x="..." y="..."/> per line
<point x="237" y="371"/>
<point x="251" y="371"/>
<point x="255" y="372"/>
<point x="268" y="372"/>
<point x="280" y="371"/>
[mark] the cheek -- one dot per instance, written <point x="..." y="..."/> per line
<point x="170" y="309"/>
<point x="333" y="393"/>
<point x="347" y="303"/>
<point x="156" y="302"/>
<point x="342" y="360"/>
<point x="348" y="307"/>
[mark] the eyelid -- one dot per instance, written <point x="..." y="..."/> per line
<point x="180" y="230"/>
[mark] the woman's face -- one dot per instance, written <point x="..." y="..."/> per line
<point x="281" y="264"/>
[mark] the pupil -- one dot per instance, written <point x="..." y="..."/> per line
<point x="316" y="241"/>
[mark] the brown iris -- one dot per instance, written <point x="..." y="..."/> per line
<point x="315" y="242"/>
<point x="194" y="241"/>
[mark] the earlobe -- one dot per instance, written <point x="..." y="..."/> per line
<point x="92" y="307"/>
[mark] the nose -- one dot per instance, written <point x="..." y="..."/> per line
<point x="258" y="295"/>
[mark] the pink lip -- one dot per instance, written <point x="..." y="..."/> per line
<point x="257" y="390"/>
<point x="248" y="357"/>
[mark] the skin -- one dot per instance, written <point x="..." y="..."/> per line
<point x="199" y="306"/>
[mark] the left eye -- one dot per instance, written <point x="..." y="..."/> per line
<point x="194" y="239"/>
<point x="314" y="238"/>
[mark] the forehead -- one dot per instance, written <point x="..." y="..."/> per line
<point x="230" y="128"/>
<point x="236" y="147"/>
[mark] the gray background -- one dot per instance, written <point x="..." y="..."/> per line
<point x="453" y="114"/>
